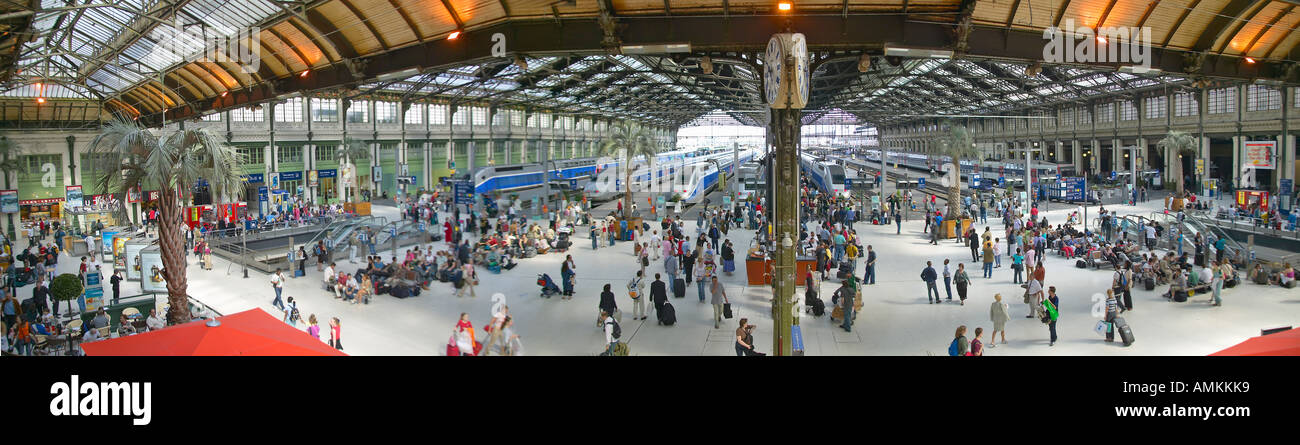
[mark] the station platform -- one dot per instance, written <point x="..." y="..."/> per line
<point x="896" y="319"/>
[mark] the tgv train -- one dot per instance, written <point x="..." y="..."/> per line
<point x="517" y="177"/>
<point x="690" y="176"/>
<point x="828" y="176"/>
<point x="988" y="169"/>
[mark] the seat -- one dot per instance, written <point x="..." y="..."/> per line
<point x="130" y="312"/>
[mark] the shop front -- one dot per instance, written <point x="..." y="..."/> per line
<point x="292" y="183"/>
<point x="325" y="182"/>
<point x="36" y="209"/>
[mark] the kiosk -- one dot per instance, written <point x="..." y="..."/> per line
<point x="132" y="256"/>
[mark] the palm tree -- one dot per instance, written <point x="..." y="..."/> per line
<point x="1178" y="144"/>
<point x="631" y="140"/>
<point x="131" y="154"/>
<point x="350" y="150"/>
<point x="956" y="143"/>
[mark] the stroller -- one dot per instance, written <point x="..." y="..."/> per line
<point x="548" y="286"/>
<point x="562" y="242"/>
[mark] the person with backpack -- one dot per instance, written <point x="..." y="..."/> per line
<point x="1120" y="284"/>
<point x="959" y="346"/>
<point x="567" y="274"/>
<point x="612" y="330"/>
<point x="636" y="290"/>
<point x="977" y="345"/>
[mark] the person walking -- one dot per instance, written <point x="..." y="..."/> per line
<point x="988" y="259"/>
<point x="977" y="345"/>
<point x="606" y="305"/>
<point x="719" y="299"/>
<point x="847" y="292"/>
<point x="973" y="241"/>
<point x="658" y="295"/>
<point x="277" y="283"/>
<point x="870" y="276"/>
<point x="567" y="273"/>
<point x="701" y="278"/>
<point x="1112" y="311"/>
<point x="1219" y="275"/>
<point x="1033" y="297"/>
<point x="336" y="333"/>
<point x="999" y="315"/>
<point x="1051" y="325"/>
<point x="670" y="268"/>
<point x="1017" y="265"/>
<point x="930" y="276"/>
<point x="636" y="290"/>
<point x="947" y="279"/>
<point x="962" y="281"/>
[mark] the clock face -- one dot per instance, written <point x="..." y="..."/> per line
<point x="772" y="69"/>
<point x="801" y="74"/>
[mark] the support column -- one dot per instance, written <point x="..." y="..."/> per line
<point x="785" y="131"/>
<point x="1236" y="161"/>
<point x="72" y="178"/>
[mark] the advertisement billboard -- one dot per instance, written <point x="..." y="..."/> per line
<point x="74" y="196"/>
<point x="1258" y="154"/>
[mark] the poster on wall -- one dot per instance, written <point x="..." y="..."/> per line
<point x="1258" y="154"/>
<point x="74" y="196"/>
<point x="313" y="178"/>
<point x="151" y="265"/>
<point x="106" y="245"/>
<point x="94" y="292"/>
<point x="273" y="180"/>
<point x="9" y="201"/>
<point x="133" y="195"/>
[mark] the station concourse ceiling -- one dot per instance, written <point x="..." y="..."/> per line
<point x="147" y="58"/>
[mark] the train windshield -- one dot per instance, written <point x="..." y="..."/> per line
<point x="837" y="174"/>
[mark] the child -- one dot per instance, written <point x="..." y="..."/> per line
<point x="976" y="345"/>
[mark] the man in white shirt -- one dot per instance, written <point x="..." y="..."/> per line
<point x="330" y="279"/>
<point x="656" y="243"/>
<point x="610" y="339"/>
<point x="1035" y="297"/>
<point x="1151" y="238"/>
<point x="154" y="322"/>
<point x="277" y="282"/>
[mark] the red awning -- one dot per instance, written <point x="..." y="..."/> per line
<point x="1282" y="343"/>
<point x="253" y="332"/>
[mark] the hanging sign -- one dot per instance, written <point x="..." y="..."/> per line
<point x="9" y="201"/>
<point x="74" y="196"/>
<point x="133" y="195"/>
<point x="313" y="178"/>
<point x="274" y="179"/>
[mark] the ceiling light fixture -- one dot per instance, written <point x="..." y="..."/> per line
<point x="224" y="93"/>
<point x="1034" y="69"/>
<point x="784" y="6"/>
<point x="304" y="73"/>
<point x="1139" y="69"/>
<point x="1101" y="39"/>
<point x="918" y="52"/>
<point x="706" y="65"/>
<point x="521" y="62"/>
<point x="1250" y="60"/>
<point x="454" y="34"/>
<point x="656" y="48"/>
<point x="40" y="100"/>
<point x="864" y="63"/>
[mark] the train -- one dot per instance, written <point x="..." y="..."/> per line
<point x="691" y="176"/>
<point x="827" y="175"/>
<point x="518" y="177"/>
<point x="987" y="169"/>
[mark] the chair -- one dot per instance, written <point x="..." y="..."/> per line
<point x="105" y="331"/>
<point x="74" y="325"/>
<point x="130" y="312"/>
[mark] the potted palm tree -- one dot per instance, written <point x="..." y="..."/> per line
<point x="1178" y="144"/>
<point x="175" y="161"/>
<point x="627" y="141"/>
<point x="957" y="143"/>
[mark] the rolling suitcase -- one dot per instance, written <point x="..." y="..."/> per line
<point x="1125" y="332"/>
<point x="1149" y="283"/>
<point x="667" y="315"/>
<point x="1180" y="296"/>
<point x="679" y="288"/>
<point x="1081" y="264"/>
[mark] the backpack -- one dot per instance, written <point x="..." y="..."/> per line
<point x="618" y="330"/>
<point x="953" y="348"/>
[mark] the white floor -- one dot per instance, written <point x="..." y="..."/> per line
<point x="896" y="319"/>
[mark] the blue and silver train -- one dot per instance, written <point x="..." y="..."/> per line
<point x="988" y="169"/>
<point x="827" y="175"/>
